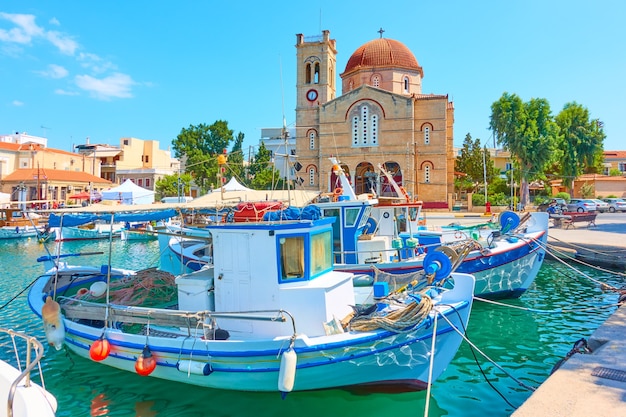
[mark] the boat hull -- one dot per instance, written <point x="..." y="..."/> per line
<point x="372" y="360"/>
<point x="503" y="273"/>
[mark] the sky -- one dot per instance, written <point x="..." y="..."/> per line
<point x="104" y="70"/>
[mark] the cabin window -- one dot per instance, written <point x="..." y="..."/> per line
<point x="352" y="214"/>
<point x="292" y="258"/>
<point x="321" y="253"/>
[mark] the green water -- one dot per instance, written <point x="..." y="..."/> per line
<point x="526" y="343"/>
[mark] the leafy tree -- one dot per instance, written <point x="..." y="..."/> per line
<point x="614" y="172"/>
<point x="581" y="141"/>
<point x="235" y="160"/>
<point x="587" y="190"/>
<point x="200" y="145"/>
<point x="472" y="161"/>
<point x="168" y="185"/>
<point x="528" y="131"/>
<point x="264" y="175"/>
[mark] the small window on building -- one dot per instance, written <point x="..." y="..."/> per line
<point x="406" y="84"/>
<point x="140" y="182"/>
<point x="427" y="135"/>
<point x="311" y="176"/>
<point x="312" y="140"/>
<point x="621" y="166"/>
<point x="125" y="142"/>
<point x="427" y="174"/>
<point x="308" y="74"/>
<point x="376" y="81"/>
<point x="508" y="166"/>
<point x="147" y="158"/>
<point x="147" y="182"/>
<point x="316" y="76"/>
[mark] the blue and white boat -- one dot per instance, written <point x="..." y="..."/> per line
<point x="272" y="314"/>
<point x="372" y="236"/>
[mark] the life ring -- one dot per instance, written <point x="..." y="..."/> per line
<point x="458" y="234"/>
<point x="336" y="193"/>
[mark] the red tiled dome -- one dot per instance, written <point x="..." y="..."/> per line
<point x="382" y="52"/>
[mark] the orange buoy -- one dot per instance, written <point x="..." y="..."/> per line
<point x="100" y="349"/>
<point x="145" y="363"/>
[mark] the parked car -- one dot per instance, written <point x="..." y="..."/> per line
<point x="581" y="205"/>
<point x="616" y="204"/>
<point x="601" y="206"/>
<point x="561" y="204"/>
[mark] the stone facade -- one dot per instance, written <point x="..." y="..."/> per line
<point x="381" y="117"/>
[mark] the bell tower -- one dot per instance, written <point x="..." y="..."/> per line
<point x="315" y="86"/>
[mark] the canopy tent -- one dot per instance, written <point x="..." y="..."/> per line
<point x="234" y="185"/>
<point x="219" y="199"/>
<point x="129" y="193"/>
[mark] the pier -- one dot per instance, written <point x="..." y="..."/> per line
<point x="589" y="384"/>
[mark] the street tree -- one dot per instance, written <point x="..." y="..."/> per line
<point x="528" y="131"/>
<point x="581" y="141"/>
<point x="168" y="186"/>
<point x="264" y="176"/>
<point x="199" y="146"/>
<point x="474" y="161"/>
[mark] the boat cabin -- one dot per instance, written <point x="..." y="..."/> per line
<point x="269" y="266"/>
<point x="15" y="217"/>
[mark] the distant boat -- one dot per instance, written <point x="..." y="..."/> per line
<point x="271" y="314"/>
<point x="16" y="224"/>
<point x="21" y="396"/>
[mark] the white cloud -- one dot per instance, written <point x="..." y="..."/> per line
<point x="65" y="93"/>
<point x="25" y="31"/>
<point x="95" y="63"/>
<point x="114" y="86"/>
<point x="17" y="103"/>
<point x="54" y="71"/>
<point x="65" y="44"/>
<point x="54" y="21"/>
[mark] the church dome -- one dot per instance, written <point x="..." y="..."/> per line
<point x="382" y="52"/>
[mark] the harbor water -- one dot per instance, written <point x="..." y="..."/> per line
<point x="523" y="339"/>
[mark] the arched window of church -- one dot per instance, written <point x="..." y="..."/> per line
<point x="312" y="140"/>
<point x="376" y="81"/>
<point x="427" y="135"/>
<point x="365" y="127"/>
<point x="406" y="84"/>
<point x="331" y="76"/>
<point x="312" y="176"/>
<point x="308" y="74"/>
<point x="316" y="76"/>
<point x="427" y="174"/>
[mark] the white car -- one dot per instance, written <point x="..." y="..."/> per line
<point x="601" y="206"/>
<point x="616" y="204"/>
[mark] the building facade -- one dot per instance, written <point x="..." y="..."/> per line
<point x="380" y="118"/>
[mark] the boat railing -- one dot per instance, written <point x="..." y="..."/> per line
<point x="32" y="346"/>
<point x="86" y="310"/>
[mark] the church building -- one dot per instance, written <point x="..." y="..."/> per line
<point x="380" y="118"/>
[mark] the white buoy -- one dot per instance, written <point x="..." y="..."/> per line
<point x="98" y="288"/>
<point x="287" y="371"/>
<point x="53" y="323"/>
<point x="194" y="367"/>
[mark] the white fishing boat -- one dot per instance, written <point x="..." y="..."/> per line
<point x="15" y="223"/>
<point x="271" y="314"/>
<point x="23" y="397"/>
